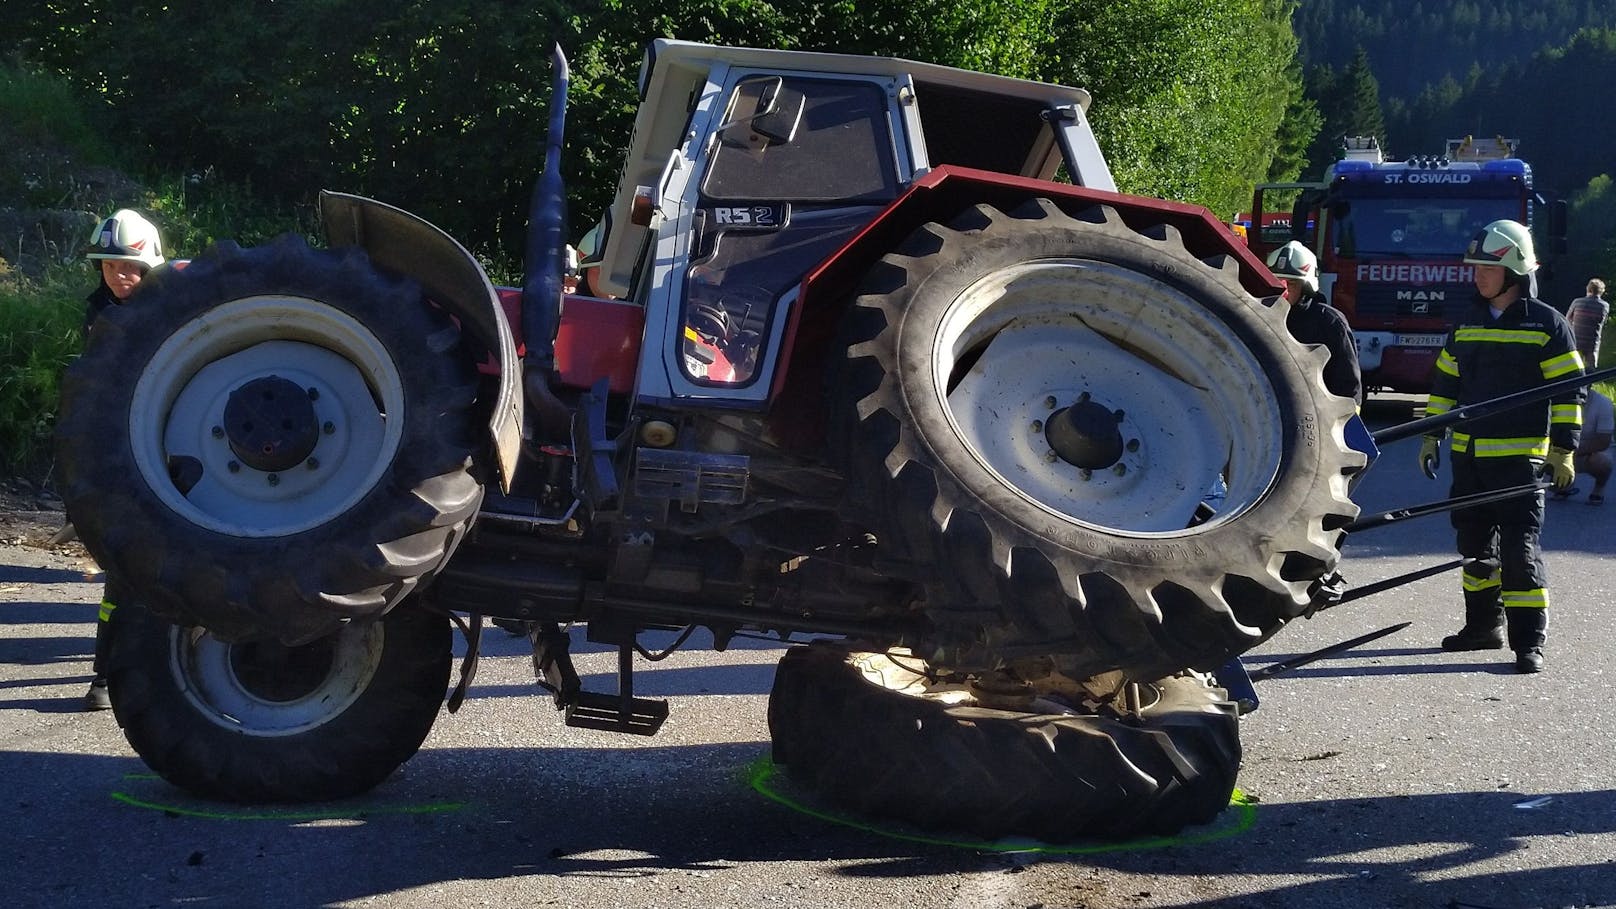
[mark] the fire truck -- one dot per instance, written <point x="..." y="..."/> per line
<point x="1390" y="237"/>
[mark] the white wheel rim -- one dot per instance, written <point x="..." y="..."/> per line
<point x="357" y="397"/>
<point x="1196" y="405"/>
<point x="266" y="689"/>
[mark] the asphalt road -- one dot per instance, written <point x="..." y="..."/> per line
<point x="1393" y="776"/>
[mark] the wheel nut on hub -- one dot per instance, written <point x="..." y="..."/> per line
<point x="1085" y="435"/>
<point x="270" y="424"/>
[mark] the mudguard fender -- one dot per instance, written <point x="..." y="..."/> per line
<point x="408" y="245"/>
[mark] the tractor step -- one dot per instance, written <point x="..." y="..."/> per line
<point x="620" y="712"/>
<point x="616" y="713"/>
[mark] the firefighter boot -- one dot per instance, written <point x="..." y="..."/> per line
<point x="1484" y="623"/>
<point x="1528" y="629"/>
<point x="97" y="698"/>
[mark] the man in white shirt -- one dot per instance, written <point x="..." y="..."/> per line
<point x="1593" y="456"/>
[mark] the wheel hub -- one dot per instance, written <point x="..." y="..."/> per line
<point x="1085" y="434"/>
<point x="271" y="424"/>
<point x="280" y="674"/>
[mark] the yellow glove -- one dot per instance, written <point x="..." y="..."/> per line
<point x="1430" y="455"/>
<point x="1564" y="473"/>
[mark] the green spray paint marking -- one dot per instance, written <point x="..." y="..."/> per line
<point x="288" y="815"/>
<point x="761" y="773"/>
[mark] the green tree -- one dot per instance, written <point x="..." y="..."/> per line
<point x="1297" y="132"/>
<point x="1349" y="101"/>
<point x="1590" y="239"/>
<point x="440" y="107"/>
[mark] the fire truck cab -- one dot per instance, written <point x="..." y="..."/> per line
<point x="1390" y="236"/>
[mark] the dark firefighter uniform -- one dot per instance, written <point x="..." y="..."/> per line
<point x="1528" y="345"/>
<point x="1311" y="320"/>
<point x="114" y="592"/>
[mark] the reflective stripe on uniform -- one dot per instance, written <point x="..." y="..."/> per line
<point x="1537" y="598"/>
<point x="1566" y="413"/>
<point x="1501" y="336"/>
<point x="1529" y="446"/>
<point x="1471" y="582"/>
<point x="1439" y="404"/>
<point x="106" y="610"/>
<point x="1446" y="363"/>
<point x="1563" y="365"/>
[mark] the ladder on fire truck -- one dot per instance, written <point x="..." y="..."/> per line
<point x="1468" y="149"/>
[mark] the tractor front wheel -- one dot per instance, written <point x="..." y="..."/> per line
<point x="272" y="441"/>
<point x="266" y="722"/>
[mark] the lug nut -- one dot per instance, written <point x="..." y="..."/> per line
<point x="313" y="463"/>
<point x="1133" y="444"/>
<point x="274" y="479"/>
<point x="233" y="467"/>
<point x="329" y="427"/>
<point x="1051" y="456"/>
<point x="218" y="432"/>
<point x="314" y="393"/>
<point x="1120" y="469"/>
<point x="1050" y="402"/>
<point x="1086" y="474"/>
<point x="1037" y="425"/>
<point x="1119" y="415"/>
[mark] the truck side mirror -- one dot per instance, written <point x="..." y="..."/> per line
<point x="1558" y="216"/>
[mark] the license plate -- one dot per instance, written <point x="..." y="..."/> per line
<point x="1421" y="340"/>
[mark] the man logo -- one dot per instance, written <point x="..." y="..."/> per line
<point x="1419" y="301"/>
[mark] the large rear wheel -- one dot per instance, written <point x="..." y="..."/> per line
<point x="1089" y="441"/>
<point x="271" y="442"/>
<point x="874" y="733"/>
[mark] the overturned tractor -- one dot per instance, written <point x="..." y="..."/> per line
<point x="1037" y="457"/>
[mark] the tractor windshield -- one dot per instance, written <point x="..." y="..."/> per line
<point x="799" y="165"/>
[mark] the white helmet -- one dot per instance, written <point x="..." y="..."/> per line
<point x="1505" y="242"/>
<point x="1295" y="262"/>
<point x="126" y="237"/>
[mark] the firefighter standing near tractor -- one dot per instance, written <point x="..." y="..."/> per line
<point x="124" y="246"/>
<point x="1507" y="342"/>
<point x="1312" y="320"/>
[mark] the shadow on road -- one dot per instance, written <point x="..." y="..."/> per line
<point x="675" y="812"/>
<point x="19" y="574"/>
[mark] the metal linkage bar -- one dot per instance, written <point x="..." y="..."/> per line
<point x="1454" y="504"/>
<point x="1358" y="593"/>
<point x="1273" y="669"/>
<point x="1431" y="424"/>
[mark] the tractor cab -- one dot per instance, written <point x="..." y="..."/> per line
<point x="750" y="167"/>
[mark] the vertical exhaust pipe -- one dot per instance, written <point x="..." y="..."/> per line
<point x="542" y="265"/>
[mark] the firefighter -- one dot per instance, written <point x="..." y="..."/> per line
<point x="1507" y="342"/>
<point x="124" y="246"/>
<point x="1312" y="320"/>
